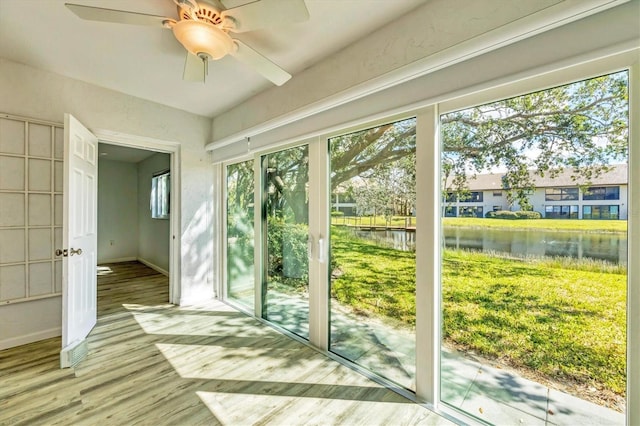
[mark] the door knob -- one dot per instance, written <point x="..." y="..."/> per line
<point x="63" y="253"/>
<point x="75" y="251"/>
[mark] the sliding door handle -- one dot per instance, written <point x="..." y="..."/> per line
<point x="322" y="256"/>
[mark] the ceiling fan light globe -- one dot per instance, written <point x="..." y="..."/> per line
<point x="199" y="37"/>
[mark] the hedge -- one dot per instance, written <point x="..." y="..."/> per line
<point x="505" y="214"/>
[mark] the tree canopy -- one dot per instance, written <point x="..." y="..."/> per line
<point x="581" y="126"/>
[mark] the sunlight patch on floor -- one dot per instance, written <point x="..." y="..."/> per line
<point x="104" y="270"/>
<point x="192" y="322"/>
<point x="196" y="362"/>
<point x="243" y="409"/>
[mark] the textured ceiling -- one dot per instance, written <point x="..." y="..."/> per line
<point x="148" y="63"/>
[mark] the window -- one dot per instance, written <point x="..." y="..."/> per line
<point x="497" y="208"/>
<point x="285" y="245"/>
<point x="495" y="299"/>
<point x="601" y="212"/>
<point x="160" y="195"/>
<point x="561" y="212"/>
<point x="602" y="193"/>
<point x="560" y="194"/>
<point x="343" y="313"/>
<point x="240" y="233"/>
<point x="373" y="269"/>
<point x="497" y="193"/>
<point x="471" y="211"/>
<point x="472" y="197"/>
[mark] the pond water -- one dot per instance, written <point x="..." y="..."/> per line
<point x="610" y="247"/>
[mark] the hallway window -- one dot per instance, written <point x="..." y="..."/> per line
<point x="160" y="195"/>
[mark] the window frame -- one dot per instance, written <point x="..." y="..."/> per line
<point x="601" y="193"/>
<point x="160" y="197"/>
<point x="576" y="72"/>
<point x="600" y="209"/>
<point x="473" y="197"/>
<point x="563" y="193"/>
<point x="430" y="200"/>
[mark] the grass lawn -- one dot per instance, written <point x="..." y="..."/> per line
<point x="546" y="224"/>
<point x="562" y="320"/>
<point x="473" y="222"/>
<point x="372" y="279"/>
<point x="567" y="324"/>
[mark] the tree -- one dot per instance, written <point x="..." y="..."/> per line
<point x="363" y="153"/>
<point x="287" y="176"/>
<point x="581" y="126"/>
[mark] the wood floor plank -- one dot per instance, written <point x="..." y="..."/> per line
<point x="152" y="363"/>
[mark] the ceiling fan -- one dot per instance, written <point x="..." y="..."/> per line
<point x="203" y="29"/>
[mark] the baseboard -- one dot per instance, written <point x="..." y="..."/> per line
<point x="154" y="267"/>
<point x="118" y="260"/>
<point x="30" y="338"/>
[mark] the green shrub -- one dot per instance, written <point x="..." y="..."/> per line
<point x="337" y="213"/>
<point x="288" y="253"/>
<point x="528" y="215"/>
<point x="505" y="214"/>
<point x="500" y="214"/>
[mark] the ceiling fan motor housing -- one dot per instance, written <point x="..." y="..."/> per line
<point x="203" y="38"/>
<point x="201" y="33"/>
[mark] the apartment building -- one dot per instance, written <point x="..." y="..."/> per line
<point x="560" y="197"/>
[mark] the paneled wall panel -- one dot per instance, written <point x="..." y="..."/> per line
<point x="31" y="183"/>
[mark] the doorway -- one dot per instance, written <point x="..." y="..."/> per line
<point x="153" y="158"/>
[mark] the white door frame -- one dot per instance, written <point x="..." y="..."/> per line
<point x="173" y="149"/>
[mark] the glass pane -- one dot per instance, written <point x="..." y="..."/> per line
<point x="240" y="236"/>
<point x="373" y="279"/>
<point x="286" y="216"/>
<point x="160" y="196"/>
<point x="534" y="298"/>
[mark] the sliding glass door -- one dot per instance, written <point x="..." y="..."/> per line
<point x="534" y="304"/>
<point x="285" y="221"/>
<point x="373" y="256"/>
<point x="240" y="234"/>
<point x="508" y="302"/>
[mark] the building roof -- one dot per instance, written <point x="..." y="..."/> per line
<point x="493" y="181"/>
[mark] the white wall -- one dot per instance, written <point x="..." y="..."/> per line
<point x="425" y="31"/>
<point x="153" y="236"/>
<point x="309" y="104"/>
<point x="117" y="211"/>
<point x="30" y="92"/>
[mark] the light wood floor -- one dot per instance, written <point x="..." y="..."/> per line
<point x="154" y="363"/>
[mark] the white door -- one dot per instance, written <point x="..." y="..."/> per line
<point x="79" y="288"/>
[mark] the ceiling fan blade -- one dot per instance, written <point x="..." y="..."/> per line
<point x="266" y="13"/>
<point x="195" y="68"/>
<point x="116" y="16"/>
<point x="262" y="65"/>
